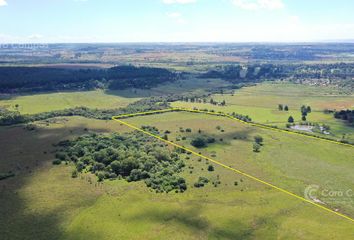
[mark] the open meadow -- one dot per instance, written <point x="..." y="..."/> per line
<point x="261" y="102"/>
<point x="38" y="103"/>
<point x="43" y="201"/>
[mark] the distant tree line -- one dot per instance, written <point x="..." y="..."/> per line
<point x="244" y="74"/>
<point x="344" y="72"/>
<point x="36" y="79"/>
<point x="132" y="156"/>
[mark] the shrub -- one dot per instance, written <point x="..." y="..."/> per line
<point x="202" y="181"/>
<point x="258" y="139"/>
<point x="256" y="147"/>
<point x="74" y="174"/>
<point x="199" y="142"/>
<point x="291" y="119"/>
<point x="56" y="162"/>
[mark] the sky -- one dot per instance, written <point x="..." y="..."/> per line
<point x="69" y="21"/>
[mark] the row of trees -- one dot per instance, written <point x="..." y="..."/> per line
<point x="10" y="117"/>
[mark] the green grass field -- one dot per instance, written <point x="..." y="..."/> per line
<point x="261" y="104"/>
<point x="44" y="202"/>
<point x="38" y="103"/>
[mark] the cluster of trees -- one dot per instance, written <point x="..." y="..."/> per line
<point x="222" y="103"/>
<point x="10" y="117"/>
<point x="35" y="79"/>
<point x="346" y="115"/>
<point x="202" y="141"/>
<point x="305" y="110"/>
<point x="241" y="117"/>
<point x="282" y="107"/>
<point x="132" y="156"/>
<point x="203" y="100"/>
<point x="202" y="181"/>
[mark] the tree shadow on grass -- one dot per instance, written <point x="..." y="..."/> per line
<point x="35" y="204"/>
<point x="192" y="218"/>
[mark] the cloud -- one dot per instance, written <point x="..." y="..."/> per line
<point x="3" y="3"/>
<point x="174" y="15"/>
<point x="259" y="4"/>
<point x="177" y="17"/>
<point x="178" y="1"/>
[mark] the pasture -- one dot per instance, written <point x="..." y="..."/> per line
<point x="37" y="103"/>
<point x="42" y="201"/>
<point x="260" y="102"/>
<point x="232" y="208"/>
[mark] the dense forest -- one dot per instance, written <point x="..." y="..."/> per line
<point x="132" y="156"/>
<point x="35" y="79"/>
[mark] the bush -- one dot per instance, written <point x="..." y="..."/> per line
<point x="202" y="181"/>
<point x="101" y="176"/>
<point x="291" y="119"/>
<point x="199" y="142"/>
<point x="258" y="139"/>
<point x="74" y="174"/>
<point x="56" y="162"/>
<point x="256" y="147"/>
<point x="210" y="168"/>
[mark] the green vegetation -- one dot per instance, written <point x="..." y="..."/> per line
<point x="133" y="157"/>
<point x="339" y="73"/>
<point x="202" y="181"/>
<point x="346" y="115"/>
<point x="39" y="103"/>
<point x="69" y="207"/>
<point x="36" y="79"/>
<point x="101" y="181"/>
<point x="12" y="118"/>
<point x="261" y="104"/>
<point x="201" y="142"/>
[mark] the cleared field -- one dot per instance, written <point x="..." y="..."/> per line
<point x="57" y="101"/>
<point x="66" y="208"/>
<point x="261" y="104"/>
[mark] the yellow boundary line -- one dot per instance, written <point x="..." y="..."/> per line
<point x="116" y="118"/>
